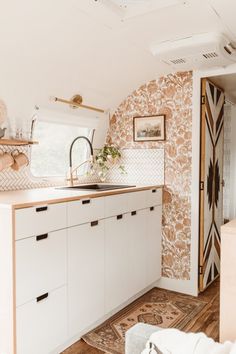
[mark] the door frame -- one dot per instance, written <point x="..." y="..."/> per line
<point x="195" y="200"/>
<point x="202" y="205"/>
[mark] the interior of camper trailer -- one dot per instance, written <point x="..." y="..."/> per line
<point x="117" y="177"/>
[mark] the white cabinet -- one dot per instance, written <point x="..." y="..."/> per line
<point x="153" y="197"/>
<point x="153" y="243"/>
<point x="137" y="244"/>
<point x="116" y="205"/>
<point x="42" y="323"/>
<point x="85" y="210"/>
<point x="40" y="265"/>
<point x="124" y="203"/>
<point x="85" y="275"/>
<point x="39" y="220"/>
<point x="132" y="254"/>
<point x="117" y="280"/>
<point x="136" y="200"/>
<point x="75" y="262"/>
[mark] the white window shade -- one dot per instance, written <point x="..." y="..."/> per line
<point x="82" y="119"/>
<point x="55" y="131"/>
<point x="99" y="122"/>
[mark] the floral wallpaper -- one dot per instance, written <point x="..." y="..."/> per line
<point x="170" y="95"/>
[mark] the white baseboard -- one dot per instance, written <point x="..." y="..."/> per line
<point x="181" y="286"/>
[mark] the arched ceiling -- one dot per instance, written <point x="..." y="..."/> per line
<point x="63" y="47"/>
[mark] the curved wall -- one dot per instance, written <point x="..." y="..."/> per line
<point x="170" y="95"/>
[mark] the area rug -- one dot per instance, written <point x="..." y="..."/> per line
<point x="157" y="307"/>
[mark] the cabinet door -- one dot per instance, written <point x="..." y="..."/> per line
<point x="117" y="280"/>
<point x="40" y="265"/>
<point x="154" y="236"/>
<point x="39" y="220"/>
<point x="137" y="238"/>
<point x="41" y="324"/>
<point x="85" y="275"/>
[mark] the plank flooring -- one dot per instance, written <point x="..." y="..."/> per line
<point x="207" y="321"/>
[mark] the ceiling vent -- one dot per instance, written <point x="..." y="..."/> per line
<point x="196" y="52"/>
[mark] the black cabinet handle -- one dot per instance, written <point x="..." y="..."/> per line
<point x="133" y="213"/>
<point x="41" y="297"/>
<point x="154" y="191"/>
<point x="41" y="237"/>
<point x="119" y="217"/>
<point x="44" y="208"/>
<point x="94" y="223"/>
<point x="86" y="201"/>
<point x="152" y="208"/>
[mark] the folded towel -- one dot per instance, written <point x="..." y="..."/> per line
<point x="173" y="341"/>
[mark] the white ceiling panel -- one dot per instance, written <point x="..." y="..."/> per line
<point x="226" y="10"/>
<point x="63" y="47"/>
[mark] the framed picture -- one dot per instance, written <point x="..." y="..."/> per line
<point x="149" y="128"/>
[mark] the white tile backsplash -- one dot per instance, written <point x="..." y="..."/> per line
<point x="142" y="166"/>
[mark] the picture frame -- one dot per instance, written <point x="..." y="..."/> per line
<point x="149" y="128"/>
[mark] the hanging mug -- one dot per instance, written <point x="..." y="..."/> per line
<point x="6" y="160"/>
<point x="20" y="160"/>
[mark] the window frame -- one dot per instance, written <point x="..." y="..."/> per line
<point x="60" y="178"/>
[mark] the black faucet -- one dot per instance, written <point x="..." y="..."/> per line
<point x="70" y="156"/>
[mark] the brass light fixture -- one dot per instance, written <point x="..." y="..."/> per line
<point x="76" y="102"/>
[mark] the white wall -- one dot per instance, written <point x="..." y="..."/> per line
<point x="232" y="204"/>
<point x="226" y="166"/>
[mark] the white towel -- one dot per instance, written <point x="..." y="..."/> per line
<point x="173" y="341"/>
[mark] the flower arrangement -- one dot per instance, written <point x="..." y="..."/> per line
<point x="105" y="158"/>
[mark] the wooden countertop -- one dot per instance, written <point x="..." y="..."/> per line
<point x="41" y="196"/>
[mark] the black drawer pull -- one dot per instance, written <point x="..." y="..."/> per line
<point x="44" y="208"/>
<point x="154" y="191"/>
<point x="41" y="237"/>
<point x="42" y="297"/>
<point x="94" y="223"/>
<point x="86" y="201"/>
<point x="119" y="217"/>
<point x="133" y="213"/>
<point x="152" y="208"/>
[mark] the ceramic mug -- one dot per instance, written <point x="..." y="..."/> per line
<point x="6" y="160"/>
<point x="19" y="160"/>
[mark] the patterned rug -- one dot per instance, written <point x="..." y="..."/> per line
<point x="157" y="307"/>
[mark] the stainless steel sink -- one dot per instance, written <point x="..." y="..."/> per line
<point x="98" y="187"/>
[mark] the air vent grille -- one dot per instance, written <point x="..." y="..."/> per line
<point x="178" y="61"/>
<point x="210" y="55"/>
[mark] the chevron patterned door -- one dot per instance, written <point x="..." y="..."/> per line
<point x="211" y="182"/>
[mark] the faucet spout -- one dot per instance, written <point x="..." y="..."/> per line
<point x="70" y="155"/>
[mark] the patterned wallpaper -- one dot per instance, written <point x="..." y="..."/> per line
<point x="170" y="95"/>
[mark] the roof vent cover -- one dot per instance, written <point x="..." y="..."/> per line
<point x="196" y="52"/>
<point x="210" y="55"/>
<point x="178" y="61"/>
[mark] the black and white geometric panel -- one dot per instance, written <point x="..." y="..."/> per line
<point x="213" y="193"/>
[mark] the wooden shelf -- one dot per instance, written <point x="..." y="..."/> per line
<point x="15" y="142"/>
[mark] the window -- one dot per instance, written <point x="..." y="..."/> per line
<point x="50" y="158"/>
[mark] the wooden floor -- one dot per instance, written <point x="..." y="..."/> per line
<point x="207" y="322"/>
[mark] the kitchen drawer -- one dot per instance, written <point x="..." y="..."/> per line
<point x="39" y="220"/>
<point x="154" y="197"/>
<point x="40" y="265"/>
<point x="137" y="200"/>
<point x="116" y="204"/>
<point x="85" y="210"/>
<point x="41" y="324"/>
